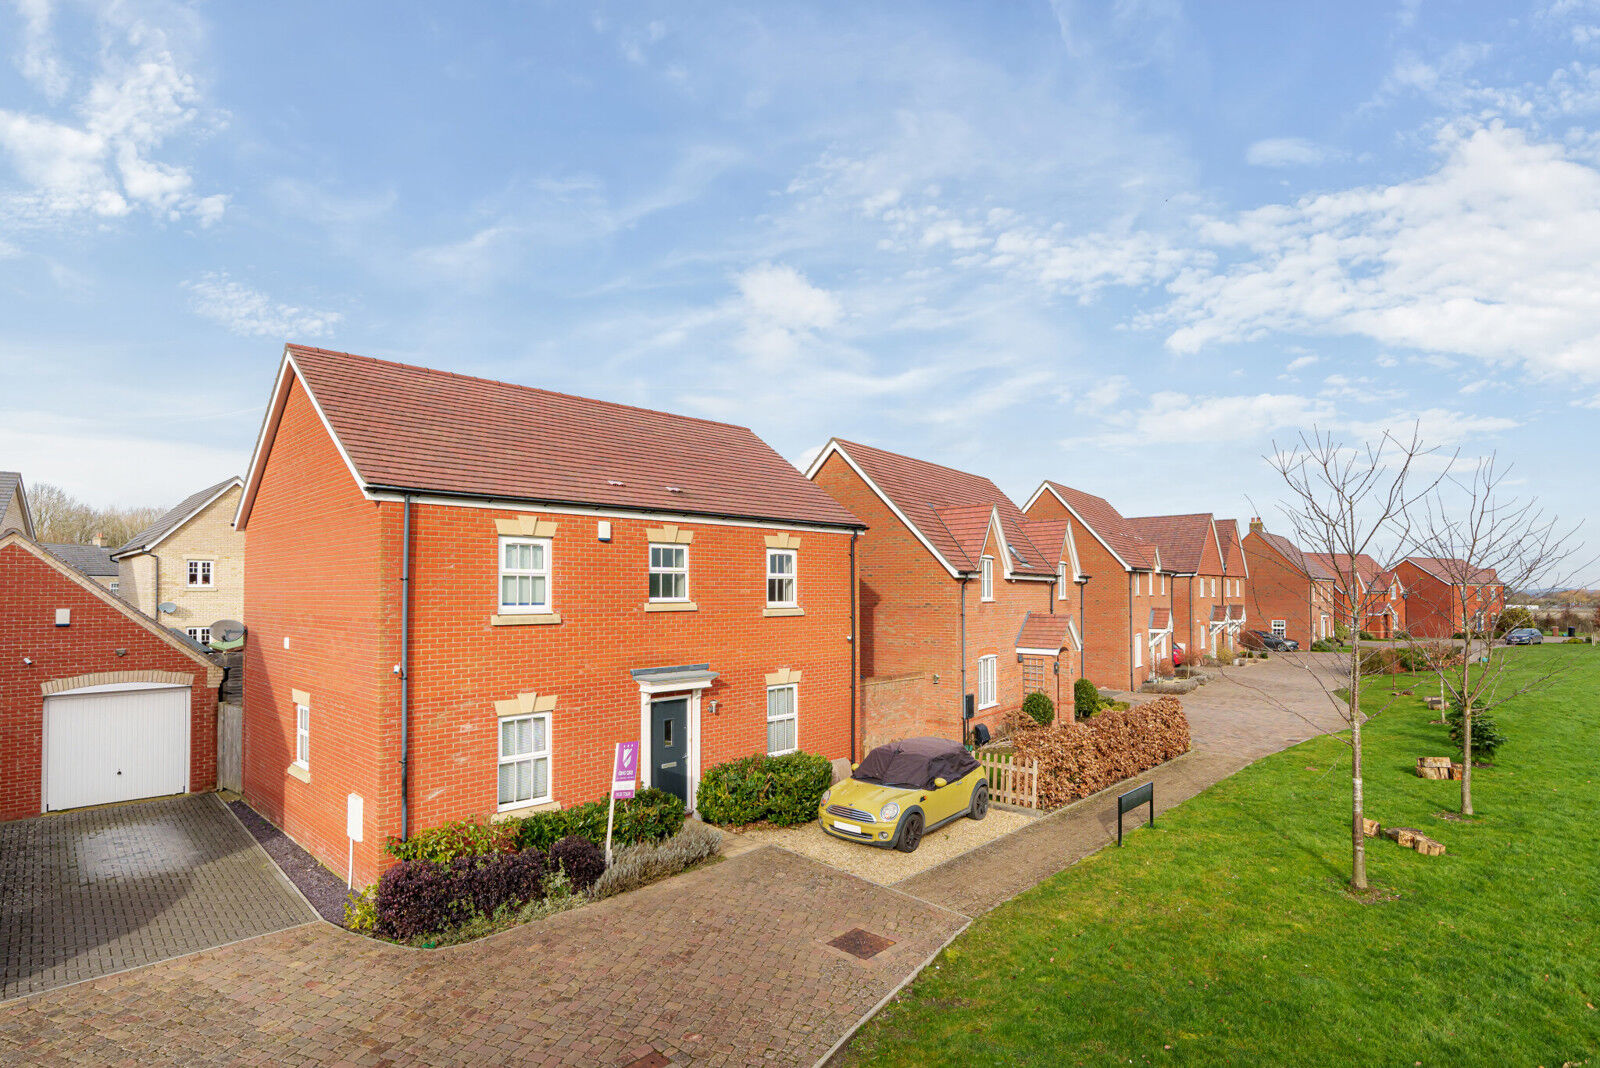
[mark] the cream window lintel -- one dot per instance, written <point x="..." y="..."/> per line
<point x="298" y="772"/>
<point x="784" y="540"/>
<point x="670" y="534"/>
<point x="300" y="697"/>
<point x="525" y="526"/>
<point x="525" y="810"/>
<point x="671" y="606"/>
<point x="526" y="704"/>
<point x="783" y="677"/>
<point x="524" y="619"/>
<point x="793" y="610"/>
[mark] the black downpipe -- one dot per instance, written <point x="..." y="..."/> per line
<point x="855" y="643"/>
<point x="961" y="703"/>
<point x="405" y="674"/>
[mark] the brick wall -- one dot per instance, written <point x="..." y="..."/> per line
<point x="1277" y="591"/>
<point x="30" y="592"/>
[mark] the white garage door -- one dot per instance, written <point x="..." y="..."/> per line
<point x="105" y="744"/>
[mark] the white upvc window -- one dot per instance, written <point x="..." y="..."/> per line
<point x="524" y="575"/>
<point x="302" y="736"/>
<point x="781" y="578"/>
<point x="199" y="573"/>
<point x="524" y="771"/>
<point x="988" y="681"/>
<point x="1061" y="581"/>
<point x="669" y="572"/>
<point x="200" y="634"/>
<point x="1279" y="628"/>
<point x="1326" y="629"/>
<point x="1202" y="632"/>
<point x="1136" y="583"/>
<point x="986" y="578"/>
<point x="1163" y="584"/>
<point x="1138" y="651"/>
<point x="783" y="719"/>
<point x="116" y="588"/>
<point x="1213" y="587"/>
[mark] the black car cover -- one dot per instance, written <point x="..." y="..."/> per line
<point x="915" y="762"/>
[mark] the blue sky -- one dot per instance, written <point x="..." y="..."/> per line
<point x="1122" y="245"/>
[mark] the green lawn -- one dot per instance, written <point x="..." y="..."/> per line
<point x="1225" y="935"/>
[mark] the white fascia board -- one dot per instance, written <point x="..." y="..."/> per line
<point x="832" y="447"/>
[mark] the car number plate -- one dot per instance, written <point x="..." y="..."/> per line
<point x="853" y="828"/>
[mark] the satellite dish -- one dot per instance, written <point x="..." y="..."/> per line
<point x="227" y="630"/>
<point x="167" y="606"/>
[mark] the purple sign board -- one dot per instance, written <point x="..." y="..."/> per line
<point x="625" y="776"/>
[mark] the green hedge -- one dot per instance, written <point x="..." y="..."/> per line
<point x="783" y="790"/>
<point x="650" y="816"/>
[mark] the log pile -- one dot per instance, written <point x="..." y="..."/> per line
<point x="1411" y="838"/>
<point x="1434" y="768"/>
<point x="1370" y="827"/>
<point x="1456" y="772"/>
<point x="1078" y="759"/>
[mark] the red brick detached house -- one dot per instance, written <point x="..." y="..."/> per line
<point x="1379" y="598"/>
<point x="1235" y="582"/>
<point x="1128" y="600"/>
<point x="463" y="593"/>
<point x="1191" y="552"/>
<point x="1291" y="592"/>
<point x="97" y="702"/>
<point x="960" y="594"/>
<point x="1442" y="595"/>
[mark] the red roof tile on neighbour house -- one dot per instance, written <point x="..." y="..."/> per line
<point x="1181" y="539"/>
<point x="1453" y="572"/>
<point x="1044" y="631"/>
<point x="413" y="428"/>
<point x="1160" y="619"/>
<point x="1109" y="524"/>
<point x="1304" y="562"/>
<point x="950" y="508"/>
<point x="1227" y="534"/>
<point x="1338" y="564"/>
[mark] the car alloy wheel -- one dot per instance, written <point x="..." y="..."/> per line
<point x="980" y="802"/>
<point x="910" y="833"/>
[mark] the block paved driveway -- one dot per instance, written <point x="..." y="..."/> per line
<point x="1266" y="706"/>
<point x="724" y="965"/>
<point x="87" y="893"/>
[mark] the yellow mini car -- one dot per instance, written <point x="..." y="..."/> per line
<point x="903" y="790"/>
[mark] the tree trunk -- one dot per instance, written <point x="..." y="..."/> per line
<point x="1466" y="732"/>
<point x="1358" y="836"/>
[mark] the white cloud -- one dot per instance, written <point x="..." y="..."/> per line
<point x="1300" y="363"/>
<point x="781" y="310"/>
<point x="1173" y="418"/>
<point x="1491" y="256"/>
<point x="1287" y="152"/>
<point x="1436" y="427"/>
<point x="251" y="313"/>
<point x="102" y="162"/>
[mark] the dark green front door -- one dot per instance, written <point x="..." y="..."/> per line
<point x="669" y="746"/>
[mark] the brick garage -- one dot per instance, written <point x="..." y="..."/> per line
<point x="105" y="644"/>
<point x="323" y="581"/>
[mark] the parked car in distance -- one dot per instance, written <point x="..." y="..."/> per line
<point x="1271" y="641"/>
<point x="1179" y="655"/>
<point x="1525" y="636"/>
<point x="903" y="790"/>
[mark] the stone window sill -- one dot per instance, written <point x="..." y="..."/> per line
<point x="790" y="610"/>
<point x="296" y="771"/>
<point x="671" y="606"/>
<point x="525" y="810"/>
<point x="524" y="619"/>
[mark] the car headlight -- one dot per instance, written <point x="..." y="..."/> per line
<point x="825" y="795"/>
<point x="889" y="811"/>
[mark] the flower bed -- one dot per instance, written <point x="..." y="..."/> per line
<point x="1078" y="759"/>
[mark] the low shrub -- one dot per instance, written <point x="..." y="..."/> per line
<point x="1324" y="645"/>
<point x="1486" y="734"/>
<point x="637" y="865"/>
<point x="783" y="790"/>
<point x="361" y="910"/>
<point x="414" y="898"/>
<point x="458" y="838"/>
<point x="1085" y="699"/>
<point x="648" y="816"/>
<point x="1366" y="636"/>
<point x="1039" y="708"/>
<point x="579" y="859"/>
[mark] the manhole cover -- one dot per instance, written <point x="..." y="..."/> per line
<point x="653" y="1059"/>
<point x="863" y="944"/>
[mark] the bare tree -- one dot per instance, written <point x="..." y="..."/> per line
<point x="58" y="516"/>
<point x="1481" y="543"/>
<point x="1346" y="503"/>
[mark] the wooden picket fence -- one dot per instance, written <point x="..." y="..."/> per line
<point x="1011" y="782"/>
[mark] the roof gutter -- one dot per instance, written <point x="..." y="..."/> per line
<point x="407" y="492"/>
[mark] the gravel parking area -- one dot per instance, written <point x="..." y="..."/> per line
<point x="887" y="866"/>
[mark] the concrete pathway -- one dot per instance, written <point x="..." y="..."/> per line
<point x="99" y="890"/>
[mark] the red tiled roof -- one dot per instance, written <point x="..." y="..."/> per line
<point x="1336" y="564"/>
<point x="1452" y="571"/>
<point x="1109" y="524"/>
<point x="414" y="428"/>
<point x="950" y="508"/>
<point x="1181" y="539"/>
<point x="1160" y="619"/>
<point x="1287" y="549"/>
<point x="1219" y="613"/>
<point x="1227" y="534"/>
<point x="1043" y="631"/>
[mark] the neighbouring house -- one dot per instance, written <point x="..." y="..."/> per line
<point x="1128" y="599"/>
<point x="961" y="594"/>
<point x="14" y="513"/>
<point x="1234" y="617"/>
<point x="464" y="593"/>
<point x="98" y="703"/>
<point x="191" y="558"/>
<point x="1291" y="592"/>
<point x="1379" y="596"/>
<point x="1443" y="595"/>
<point x="93" y="560"/>
<point x="1191" y="553"/>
